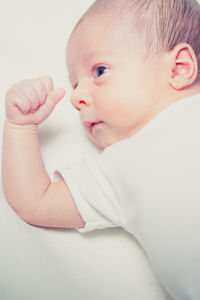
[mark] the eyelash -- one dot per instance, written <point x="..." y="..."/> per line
<point x="99" y="68"/>
<point x="75" y="86"/>
<point x="94" y="69"/>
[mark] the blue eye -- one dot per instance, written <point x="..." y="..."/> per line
<point x="99" y="71"/>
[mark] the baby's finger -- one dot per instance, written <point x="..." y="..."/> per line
<point x="33" y="96"/>
<point x="48" y="83"/>
<point x="55" y="96"/>
<point x="15" y="116"/>
<point x="41" y="89"/>
<point x="21" y="101"/>
<point x="44" y="111"/>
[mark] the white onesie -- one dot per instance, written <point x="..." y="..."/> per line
<point x="149" y="184"/>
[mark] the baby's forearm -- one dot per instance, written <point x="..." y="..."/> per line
<point x="24" y="176"/>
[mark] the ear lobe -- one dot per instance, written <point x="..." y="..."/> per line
<point x="184" y="67"/>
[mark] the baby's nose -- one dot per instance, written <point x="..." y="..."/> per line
<point x="80" y="98"/>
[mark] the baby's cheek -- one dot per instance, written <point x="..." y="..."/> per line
<point x="107" y="106"/>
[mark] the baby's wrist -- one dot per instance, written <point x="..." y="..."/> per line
<point x="11" y="125"/>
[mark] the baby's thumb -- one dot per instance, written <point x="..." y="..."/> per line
<point x="54" y="97"/>
<point x="45" y="110"/>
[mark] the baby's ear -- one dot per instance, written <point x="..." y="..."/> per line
<point x="184" y="67"/>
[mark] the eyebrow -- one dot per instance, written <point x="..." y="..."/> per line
<point x="97" y="53"/>
<point x="89" y="56"/>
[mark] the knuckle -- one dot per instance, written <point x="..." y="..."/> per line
<point x="12" y="95"/>
<point x="19" y="87"/>
<point x="8" y="94"/>
<point x="40" y="88"/>
<point x="48" y="81"/>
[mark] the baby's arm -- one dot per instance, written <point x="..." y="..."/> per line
<point x="27" y="186"/>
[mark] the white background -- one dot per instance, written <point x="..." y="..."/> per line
<point x="46" y="264"/>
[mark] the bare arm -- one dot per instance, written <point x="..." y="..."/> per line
<point x="27" y="186"/>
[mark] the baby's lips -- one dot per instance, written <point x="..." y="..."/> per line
<point x="90" y="125"/>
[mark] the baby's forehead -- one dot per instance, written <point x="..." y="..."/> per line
<point x="101" y="27"/>
<point x="95" y="36"/>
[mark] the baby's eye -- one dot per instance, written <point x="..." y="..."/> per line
<point x="74" y="86"/>
<point x="99" y="71"/>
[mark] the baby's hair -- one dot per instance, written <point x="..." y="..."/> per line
<point x="159" y="24"/>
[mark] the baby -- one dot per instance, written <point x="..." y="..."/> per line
<point x="134" y="69"/>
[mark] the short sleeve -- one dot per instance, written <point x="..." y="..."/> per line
<point x="92" y="192"/>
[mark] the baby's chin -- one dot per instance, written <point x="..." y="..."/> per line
<point x="99" y="142"/>
<point x="103" y="142"/>
<point x="101" y="146"/>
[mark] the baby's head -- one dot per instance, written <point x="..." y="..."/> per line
<point x="130" y="59"/>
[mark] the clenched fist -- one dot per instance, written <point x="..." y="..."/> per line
<point x="32" y="101"/>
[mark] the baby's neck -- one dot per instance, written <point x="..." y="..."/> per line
<point x="190" y="91"/>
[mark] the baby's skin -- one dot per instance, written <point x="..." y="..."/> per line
<point x="30" y="102"/>
<point x="33" y="196"/>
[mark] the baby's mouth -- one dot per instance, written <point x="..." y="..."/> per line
<point x="91" y="125"/>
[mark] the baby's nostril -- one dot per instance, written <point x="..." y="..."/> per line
<point x="82" y="102"/>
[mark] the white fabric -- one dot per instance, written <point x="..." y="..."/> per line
<point x="149" y="184"/>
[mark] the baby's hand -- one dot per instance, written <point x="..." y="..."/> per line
<point x="32" y="101"/>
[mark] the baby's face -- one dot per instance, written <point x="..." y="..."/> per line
<point x="114" y="86"/>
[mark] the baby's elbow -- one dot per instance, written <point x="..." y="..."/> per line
<point x="26" y="215"/>
<point x="24" y="210"/>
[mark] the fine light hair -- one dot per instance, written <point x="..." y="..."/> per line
<point x="159" y="25"/>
